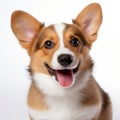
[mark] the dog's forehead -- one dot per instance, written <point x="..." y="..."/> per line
<point x="59" y="32"/>
<point x="63" y="29"/>
<point x="52" y="30"/>
<point x="59" y="29"/>
<point x="69" y="30"/>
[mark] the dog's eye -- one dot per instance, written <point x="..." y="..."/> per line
<point x="74" y="42"/>
<point x="49" y="44"/>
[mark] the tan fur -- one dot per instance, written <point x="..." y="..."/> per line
<point x="35" y="98"/>
<point x="32" y="36"/>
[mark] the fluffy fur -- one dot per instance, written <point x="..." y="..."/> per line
<point x="63" y="87"/>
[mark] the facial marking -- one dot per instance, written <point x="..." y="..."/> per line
<point x="59" y="28"/>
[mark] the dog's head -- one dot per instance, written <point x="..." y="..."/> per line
<point x="59" y="52"/>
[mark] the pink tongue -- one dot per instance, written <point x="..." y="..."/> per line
<point x="64" y="77"/>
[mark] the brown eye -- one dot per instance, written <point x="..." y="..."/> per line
<point x="49" y="44"/>
<point x="74" y="42"/>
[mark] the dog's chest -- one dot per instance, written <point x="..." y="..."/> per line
<point x="65" y="109"/>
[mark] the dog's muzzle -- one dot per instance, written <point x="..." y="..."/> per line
<point x="63" y="76"/>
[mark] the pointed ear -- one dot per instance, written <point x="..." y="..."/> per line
<point x="89" y="21"/>
<point x="25" y="28"/>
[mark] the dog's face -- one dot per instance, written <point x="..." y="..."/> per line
<point x="59" y="52"/>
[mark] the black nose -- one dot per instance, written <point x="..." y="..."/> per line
<point x="65" y="59"/>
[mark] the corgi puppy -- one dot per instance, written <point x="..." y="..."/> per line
<point x="62" y="87"/>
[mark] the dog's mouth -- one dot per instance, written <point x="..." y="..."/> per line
<point x="65" y="76"/>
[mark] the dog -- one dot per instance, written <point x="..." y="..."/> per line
<point x="63" y="87"/>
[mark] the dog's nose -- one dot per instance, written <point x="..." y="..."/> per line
<point x="65" y="59"/>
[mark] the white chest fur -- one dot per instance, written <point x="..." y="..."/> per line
<point x="65" y="108"/>
<point x="64" y="104"/>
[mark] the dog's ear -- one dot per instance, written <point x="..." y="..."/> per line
<point x="89" y="21"/>
<point x="25" y="28"/>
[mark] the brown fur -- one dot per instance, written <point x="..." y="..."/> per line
<point x="35" y="98"/>
<point x="32" y="36"/>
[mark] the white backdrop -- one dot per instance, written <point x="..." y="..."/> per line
<point x="14" y="79"/>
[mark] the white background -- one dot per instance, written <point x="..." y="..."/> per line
<point x="14" y="79"/>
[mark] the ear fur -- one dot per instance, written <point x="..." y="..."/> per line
<point x="89" y="21"/>
<point x="25" y="28"/>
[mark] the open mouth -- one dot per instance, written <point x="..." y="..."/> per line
<point x="65" y="76"/>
